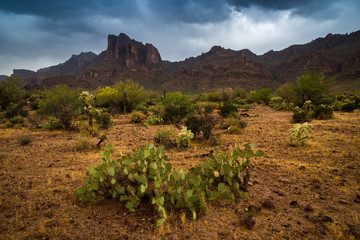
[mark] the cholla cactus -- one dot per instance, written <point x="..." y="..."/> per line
<point x="300" y="133"/>
<point x="89" y="110"/>
<point x="184" y="137"/>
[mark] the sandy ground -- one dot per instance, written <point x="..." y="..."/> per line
<point x="301" y="192"/>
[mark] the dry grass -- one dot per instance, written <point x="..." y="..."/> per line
<point x="38" y="180"/>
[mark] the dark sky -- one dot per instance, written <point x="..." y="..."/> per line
<point x="41" y="33"/>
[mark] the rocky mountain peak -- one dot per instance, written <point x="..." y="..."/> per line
<point x="131" y="52"/>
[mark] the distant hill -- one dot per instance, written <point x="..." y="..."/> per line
<point x="336" y="55"/>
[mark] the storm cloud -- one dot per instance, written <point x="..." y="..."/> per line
<point x="40" y="33"/>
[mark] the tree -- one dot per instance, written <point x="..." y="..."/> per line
<point x="177" y="106"/>
<point x="312" y="87"/>
<point x="263" y="95"/>
<point x="62" y="103"/>
<point x="10" y="92"/>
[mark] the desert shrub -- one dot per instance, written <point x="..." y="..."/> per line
<point x="83" y="143"/>
<point x="13" y="110"/>
<point x="213" y="97"/>
<point x="2" y="117"/>
<point x="142" y="109"/>
<point x="215" y="140"/>
<point x="312" y="87"/>
<point x="241" y="123"/>
<point x="263" y="95"/>
<point x="137" y="117"/>
<point x="299" y="115"/>
<point x="146" y="174"/>
<point x="51" y="124"/>
<point x="164" y="135"/>
<point x="300" y="132"/>
<point x="106" y="97"/>
<point x="16" y="120"/>
<point x="227" y="109"/>
<point x="155" y="119"/>
<point x="2" y="155"/>
<point x="184" y="137"/>
<point x="239" y="93"/>
<point x="209" y="120"/>
<point x="303" y="114"/>
<point x="10" y="93"/>
<point x="349" y="107"/>
<point x="103" y="120"/>
<point x="24" y="140"/>
<point x="124" y="97"/>
<point x="323" y="112"/>
<point x="234" y="129"/>
<point x="62" y="103"/>
<point x="176" y="107"/>
<point x="34" y="105"/>
<point x="337" y="105"/>
<point x="276" y="103"/>
<point x="88" y="130"/>
<point x="194" y="123"/>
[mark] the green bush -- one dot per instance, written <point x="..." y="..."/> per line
<point x="240" y="93"/>
<point x="213" y="97"/>
<point x="184" y="137"/>
<point x="155" y="119"/>
<point x="323" y="112"/>
<point x="124" y="97"/>
<point x="51" y="124"/>
<point x="10" y="93"/>
<point x="61" y="102"/>
<point x="176" y="107"/>
<point x="13" y="110"/>
<point x="164" y="135"/>
<point x="146" y="174"/>
<point x="312" y="87"/>
<point x="227" y="109"/>
<point x="194" y="123"/>
<point x="303" y="114"/>
<point x="300" y="116"/>
<point x="263" y="96"/>
<point x="142" y="109"/>
<point x="16" y="120"/>
<point x="103" y="120"/>
<point x="349" y="107"/>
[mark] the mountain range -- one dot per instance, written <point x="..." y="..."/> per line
<point x="336" y="55"/>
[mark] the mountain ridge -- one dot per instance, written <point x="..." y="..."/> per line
<point x="335" y="54"/>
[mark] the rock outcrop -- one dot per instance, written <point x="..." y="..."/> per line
<point x="130" y="52"/>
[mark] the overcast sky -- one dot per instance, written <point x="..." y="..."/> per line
<point x="41" y="33"/>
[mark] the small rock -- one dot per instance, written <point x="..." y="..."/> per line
<point x="314" y="219"/>
<point x="249" y="223"/>
<point x="326" y="219"/>
<point x="309" y="208"/>
<point x="268" y="204"/>
<point x="357" y="199"/>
